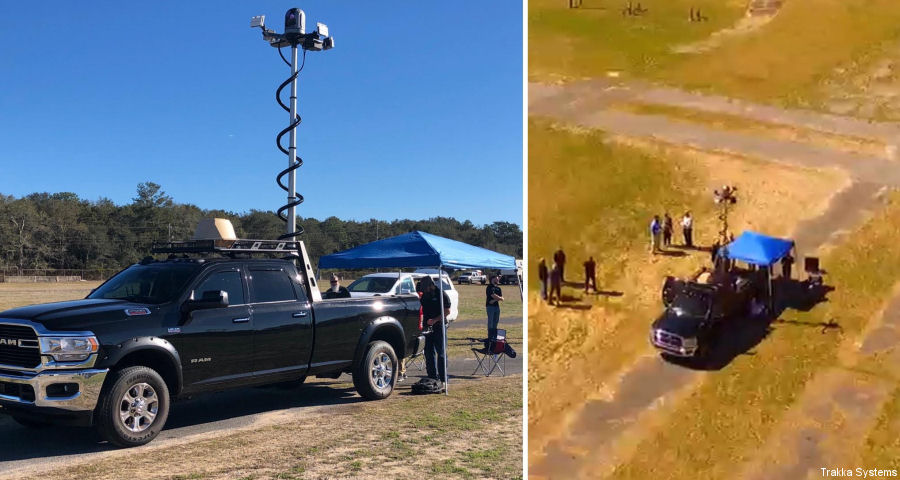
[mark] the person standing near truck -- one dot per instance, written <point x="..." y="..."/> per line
<point x="492" y="304"/>
<point x="434" y="341"/>
<point x="590" y="276"/>
<point x="543" y="276"/>
<point x="560" y="259"/>
<point x="687" y="229"/>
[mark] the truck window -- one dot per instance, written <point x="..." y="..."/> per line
<point x="270" y="286"/>
<point x="229" y="281"/>
<point x="407" y="286"/>
<point x="154" y="284"/>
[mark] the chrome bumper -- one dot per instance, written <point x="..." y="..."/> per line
<point x="89" y="384"/>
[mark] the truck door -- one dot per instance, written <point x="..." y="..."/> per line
<point x="217" y="344"/>
<point x="282" y="318"/>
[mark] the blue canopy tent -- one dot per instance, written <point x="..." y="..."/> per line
<point x="758" y="249"/>
<point x="420" y="249"/>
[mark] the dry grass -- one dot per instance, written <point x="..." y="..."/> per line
<point x="788" y="60"/>
<point x="608" y="189"/>
<point x="737" y="409"/>
<point x="19" y="294"/>
<point x="474" y="433"/>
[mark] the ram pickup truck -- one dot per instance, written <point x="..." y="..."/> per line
<point x="697" y="308"/>
<point x="174" y="327"/>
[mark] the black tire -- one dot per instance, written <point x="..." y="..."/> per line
<point x="29" y="422"/>
<point x="367" y="374"/>
<point x="133" y="381"/>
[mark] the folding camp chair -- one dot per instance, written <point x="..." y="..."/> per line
<point x="491" y="355"/>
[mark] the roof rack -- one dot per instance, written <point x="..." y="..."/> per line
<point x="291" y="248"/>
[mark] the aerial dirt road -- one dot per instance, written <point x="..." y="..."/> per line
<point x="593" y="444"/>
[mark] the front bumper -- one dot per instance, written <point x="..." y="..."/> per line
<point x="672" y="344"/>
<point x="89" y="383"/>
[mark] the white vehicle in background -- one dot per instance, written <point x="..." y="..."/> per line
<point x="377" y="284"/>
<point x="449" y="289"/>
<point x="472" y="277"/>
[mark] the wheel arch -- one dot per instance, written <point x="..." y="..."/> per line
<point x="384" y="328"/>
<point x="151" y="352"/>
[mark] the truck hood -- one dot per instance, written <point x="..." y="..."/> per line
<point x="686" y="326"/>
<point x="76" y="314"/>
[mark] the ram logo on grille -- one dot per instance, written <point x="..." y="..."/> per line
<point x="15" y="342"/>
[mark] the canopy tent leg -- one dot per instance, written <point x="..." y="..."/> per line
<point x="440" y="284"/>
<point x="521" y="292"/>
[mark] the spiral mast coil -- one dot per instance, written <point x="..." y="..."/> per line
<point x="297" y="198"/>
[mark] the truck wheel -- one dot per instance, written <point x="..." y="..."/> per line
<point x="133" y="407"/>
<point x="375" y="376"/>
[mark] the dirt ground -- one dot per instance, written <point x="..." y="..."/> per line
<point x="474" y="433"/>
<point x="575" y="353"/>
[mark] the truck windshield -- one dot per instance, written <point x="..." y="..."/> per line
<point x="154" y="283"/>
<point x="373" y="284"/>
<point x="689" y="305"/>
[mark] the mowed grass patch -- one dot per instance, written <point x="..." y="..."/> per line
<point x="788" y="59"/>
<point x="594" y="195"/>
<point x="458" y="344"/>
<point x="472" y="298"/>
<point x="590" y="41"/>
<point x="476" y="432"/>
<point x="14" y="295"/>
<point x="729" y="418"/>
<point x="785" y="61"/>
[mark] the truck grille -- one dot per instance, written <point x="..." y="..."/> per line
<point x="14" y="355"/>
<point x="667" y="338"/>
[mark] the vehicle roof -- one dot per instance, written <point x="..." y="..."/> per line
<point x="212" y="260"/>
<point x="387" y="274"/>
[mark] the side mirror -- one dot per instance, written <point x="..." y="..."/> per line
<point x="209" y="299"/>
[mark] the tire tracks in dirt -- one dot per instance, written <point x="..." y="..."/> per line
<point x="605" y="431"/>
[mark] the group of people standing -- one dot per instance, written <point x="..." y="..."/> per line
<point x="661" y="231"/>
<point x="555" y="276"/>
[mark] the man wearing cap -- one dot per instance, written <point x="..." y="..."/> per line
<point x="336" y="290"/>
<point x="431" y="317"/>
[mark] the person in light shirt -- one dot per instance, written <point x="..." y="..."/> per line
<point x="687" y="228"/>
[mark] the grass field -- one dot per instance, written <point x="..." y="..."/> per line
<point x="474" y="433"/>
<point x="786" y="61"/>
<point x="737" y="408"/>
<point x="607" y="189"/>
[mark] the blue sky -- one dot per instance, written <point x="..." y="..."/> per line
<point x="96" y="97"/>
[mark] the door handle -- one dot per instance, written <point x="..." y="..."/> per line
<point x="299" y="314"/>
<point x="241" y="320"/>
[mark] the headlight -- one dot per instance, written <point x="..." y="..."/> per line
<point x="69" y="349"/>
<point x="690" y="343"/>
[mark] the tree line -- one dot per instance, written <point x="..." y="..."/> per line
<point x="62" y="231"/>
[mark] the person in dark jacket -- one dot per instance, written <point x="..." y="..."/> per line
<point x="336" y="290"/>
<point x="431" y="316"/>
<point x="560" y="259"/>
<point x="590" y="275"/>
<point x="667" y="230"/>
<point x="492" y="304"/>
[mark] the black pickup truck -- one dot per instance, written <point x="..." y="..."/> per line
<point x="174" y="327"/>
<point x="696" y="310"/>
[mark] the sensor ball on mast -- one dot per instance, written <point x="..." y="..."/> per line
<point x="296" y="37"/>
